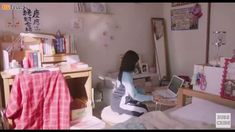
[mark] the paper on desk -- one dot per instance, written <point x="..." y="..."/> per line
<point x="72" y="59"/>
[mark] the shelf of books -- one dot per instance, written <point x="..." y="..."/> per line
<point x="51" y="48"/>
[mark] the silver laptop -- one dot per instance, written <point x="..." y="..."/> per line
<point x="172" y="88"/>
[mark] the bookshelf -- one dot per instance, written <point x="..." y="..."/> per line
<point x="52" y="48"/>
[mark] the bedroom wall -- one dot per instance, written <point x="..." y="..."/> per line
<point x="222" y="19"/>
<point x="186" y="47"/>
<point x="133" y="32"/>
<point x="128" y="26"/>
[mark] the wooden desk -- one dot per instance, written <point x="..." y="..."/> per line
<point x="84" y="72"/>
<point x="184" y="92"/>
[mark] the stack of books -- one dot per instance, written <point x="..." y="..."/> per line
<point x="65" y="44"/>
<point x="33" y="58"/>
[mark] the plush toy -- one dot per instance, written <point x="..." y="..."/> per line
<point x="196" y="11"/>
<point x="200" y="80"/>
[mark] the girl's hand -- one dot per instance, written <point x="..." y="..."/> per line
<point x="157" y="98"/>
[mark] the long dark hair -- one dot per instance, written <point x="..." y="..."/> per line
<point x="128" y="63"/>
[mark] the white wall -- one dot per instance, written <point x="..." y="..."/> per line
<point x="53" y="16"/>
<point x="134" y="32"/>
<point x="129" y="25"/>
<point x="186" y="47"/>
<point x="222" y="19"/>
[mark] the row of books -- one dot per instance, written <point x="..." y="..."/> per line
<point x="64" y="44"/>
<point x="48" y="47"/>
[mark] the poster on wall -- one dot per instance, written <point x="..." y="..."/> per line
<point x="183" y="19"/>
<point x="31" y="19"/>
<point x="90" y="7"/>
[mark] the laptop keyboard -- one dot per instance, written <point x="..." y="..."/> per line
<point x="165" y="94"/>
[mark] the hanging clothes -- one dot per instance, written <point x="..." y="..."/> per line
<point x="39" y="101"/>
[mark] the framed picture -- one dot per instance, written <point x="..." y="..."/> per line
<point x="90" y="7"/>
<point x="183" y="19"/>
<point x="144" y="68"/>
<point x="228" y="80"/>
<point x="138" y="68"/>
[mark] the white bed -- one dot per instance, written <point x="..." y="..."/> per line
<point x="200" y="114"/>
<point x="203" y="111"/>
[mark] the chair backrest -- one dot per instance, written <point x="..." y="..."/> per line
<point x="4" y="122"/>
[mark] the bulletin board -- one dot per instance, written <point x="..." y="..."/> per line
<point x="183" y="19"/>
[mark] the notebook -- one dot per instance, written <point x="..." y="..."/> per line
<point x="172" y="88"/>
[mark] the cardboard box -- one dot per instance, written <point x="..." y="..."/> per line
<point x="78" y="108"/>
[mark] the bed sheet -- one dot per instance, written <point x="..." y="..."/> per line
<point x="159" y="120"/>
<point x="203" y="111"/>
<point x="198" y="115"/>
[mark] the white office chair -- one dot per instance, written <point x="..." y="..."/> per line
<point x="111" y="118"/>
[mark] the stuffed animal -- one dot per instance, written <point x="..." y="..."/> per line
<point x="196" y="11"/>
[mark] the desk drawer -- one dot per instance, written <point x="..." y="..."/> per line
<point x="76" y="75"/>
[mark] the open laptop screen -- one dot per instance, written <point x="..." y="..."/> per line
<point x="175" y="83"/>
